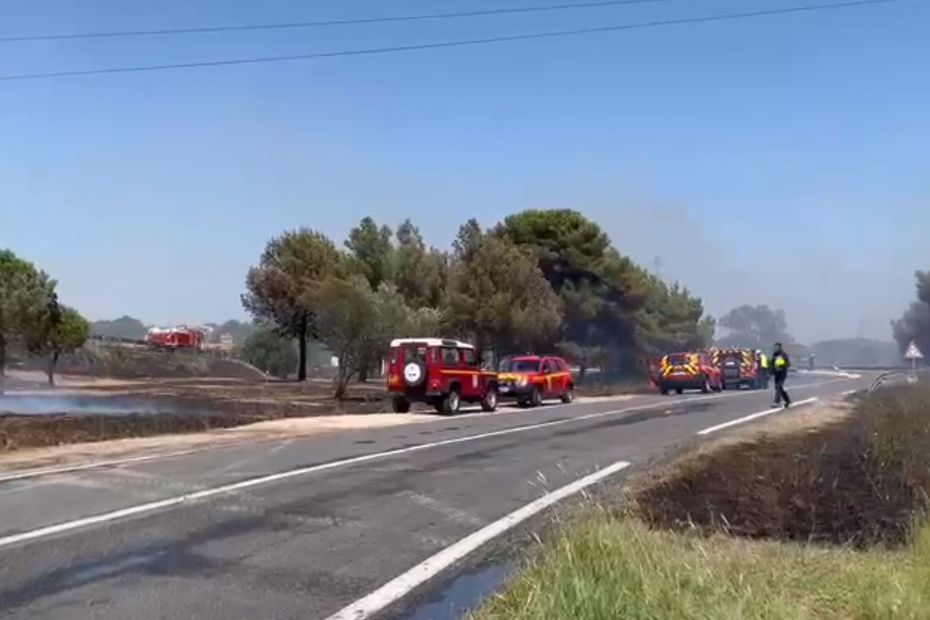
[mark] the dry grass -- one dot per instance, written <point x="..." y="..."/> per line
<point x="743" y="531"/>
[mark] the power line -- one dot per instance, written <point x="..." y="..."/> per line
<point x="319" y="24"/>
<point x="447" y="44"/>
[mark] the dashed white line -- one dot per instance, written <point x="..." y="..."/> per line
<point x="261" y="480"/>
<point x="754" y="416"/>
<point x="36" y="473"/>
<point x="398" y="587"/>
<point x="267" y="479"/>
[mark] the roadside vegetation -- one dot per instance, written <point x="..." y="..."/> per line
<point x="825" y="522"/>
<point x="539" y="280"/>
<point x="32" y="318"/>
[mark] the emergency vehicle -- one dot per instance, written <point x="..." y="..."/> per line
<point x="530" y="379"/>
<point x="440" y="372"/>
<point x="180" y="337"/>
<point x="741" y="367"/>
<point x="688" y="371"/>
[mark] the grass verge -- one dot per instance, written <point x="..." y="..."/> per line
<point x="612" y="567"/>
<point x="824" y="522"/>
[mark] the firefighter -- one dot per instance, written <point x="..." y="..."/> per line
<point x="763" y="361"/>
<point x="780" y="364"/>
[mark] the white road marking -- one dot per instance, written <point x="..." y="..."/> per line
<point x="252" y="482"/>
<point x="35" y="473"/>
<point x="398" y="587"/>
<point x="848" y="392"/>
<point x="754" y="416"/>
<point x="450" y="512"/>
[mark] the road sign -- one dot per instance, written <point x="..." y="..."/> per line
<point x="913" y="353"/>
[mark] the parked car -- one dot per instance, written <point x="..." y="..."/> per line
<point x="689" y="371"/>
<point x="443" y="373"/>
<point x="531" y="379"/>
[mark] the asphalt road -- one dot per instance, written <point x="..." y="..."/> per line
<point x="340" y="520"/>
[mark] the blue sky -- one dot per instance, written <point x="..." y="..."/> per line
<point x="781" y="160"/>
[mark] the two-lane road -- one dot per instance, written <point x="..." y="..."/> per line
<point x="302" y="527"/>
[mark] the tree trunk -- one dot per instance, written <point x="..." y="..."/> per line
<point x="343" y="374"/>
<point x="52" y="362"/>
<point x="302" y="348"/>
<point x="2" y="364"/>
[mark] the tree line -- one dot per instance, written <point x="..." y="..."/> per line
<point x="32" y="318"/>
<point x="544" y="280"/>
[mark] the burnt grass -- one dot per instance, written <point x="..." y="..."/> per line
<point x="182" y="406"/>
<point x="861" y="481"/>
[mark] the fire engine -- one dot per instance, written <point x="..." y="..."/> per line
<point x="178" y="337"/>
<point x="741" y="367"/>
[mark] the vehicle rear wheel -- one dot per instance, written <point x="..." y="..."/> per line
<point x="451" y="403"/>
<point x="705" y="386"/>
<point x="489" y="402"/>
<point x="401" y="404"/>
<point x="663" y="391"/>
<point x="678" y="390"/>
<point x="569" y="396"/>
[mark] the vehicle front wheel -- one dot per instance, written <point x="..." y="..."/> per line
<point x="489" y="402"/>
<point x="678" y="390"/>
<point x="705" y="386"/>
<point x="401" y="404"/>
<point x="663" y="391"/>
<point x="451" y="403"/>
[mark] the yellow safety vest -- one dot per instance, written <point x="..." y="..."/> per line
<point x="780" y="362"/>
<point x="764" y="361"/>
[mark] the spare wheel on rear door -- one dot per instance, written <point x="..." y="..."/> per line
<point x="414" y="373"/>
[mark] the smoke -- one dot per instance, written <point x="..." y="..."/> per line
<point x="37" y="405"/>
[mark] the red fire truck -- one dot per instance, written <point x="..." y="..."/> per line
<point x="179" y="337"/>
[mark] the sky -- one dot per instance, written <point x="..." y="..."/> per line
<point x="780" y="160"/>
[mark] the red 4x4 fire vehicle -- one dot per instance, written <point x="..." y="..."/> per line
<point x="530" y="379"/>
<point x="442" y="373"/>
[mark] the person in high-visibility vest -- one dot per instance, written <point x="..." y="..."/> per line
<point x="780" y="364"/>
<point x="763" y="369"/>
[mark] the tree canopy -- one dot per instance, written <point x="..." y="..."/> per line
<point x="59" y="330"/>
<point x="498" y="296"/>
<point x="27" y="295"/>
<point x="124" y="327"/>
<point x="269" y="352"/>
<point x="371" y="252"/>
<point x="756" y="327"/>
<point x="539" y="280"/>
<point x="281" y="289"/>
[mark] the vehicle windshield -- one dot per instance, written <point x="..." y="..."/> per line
<point x="520" y="366"/>
<point x="679" y="359"/>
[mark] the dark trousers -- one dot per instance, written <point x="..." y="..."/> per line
<point x="780" y="393"/>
